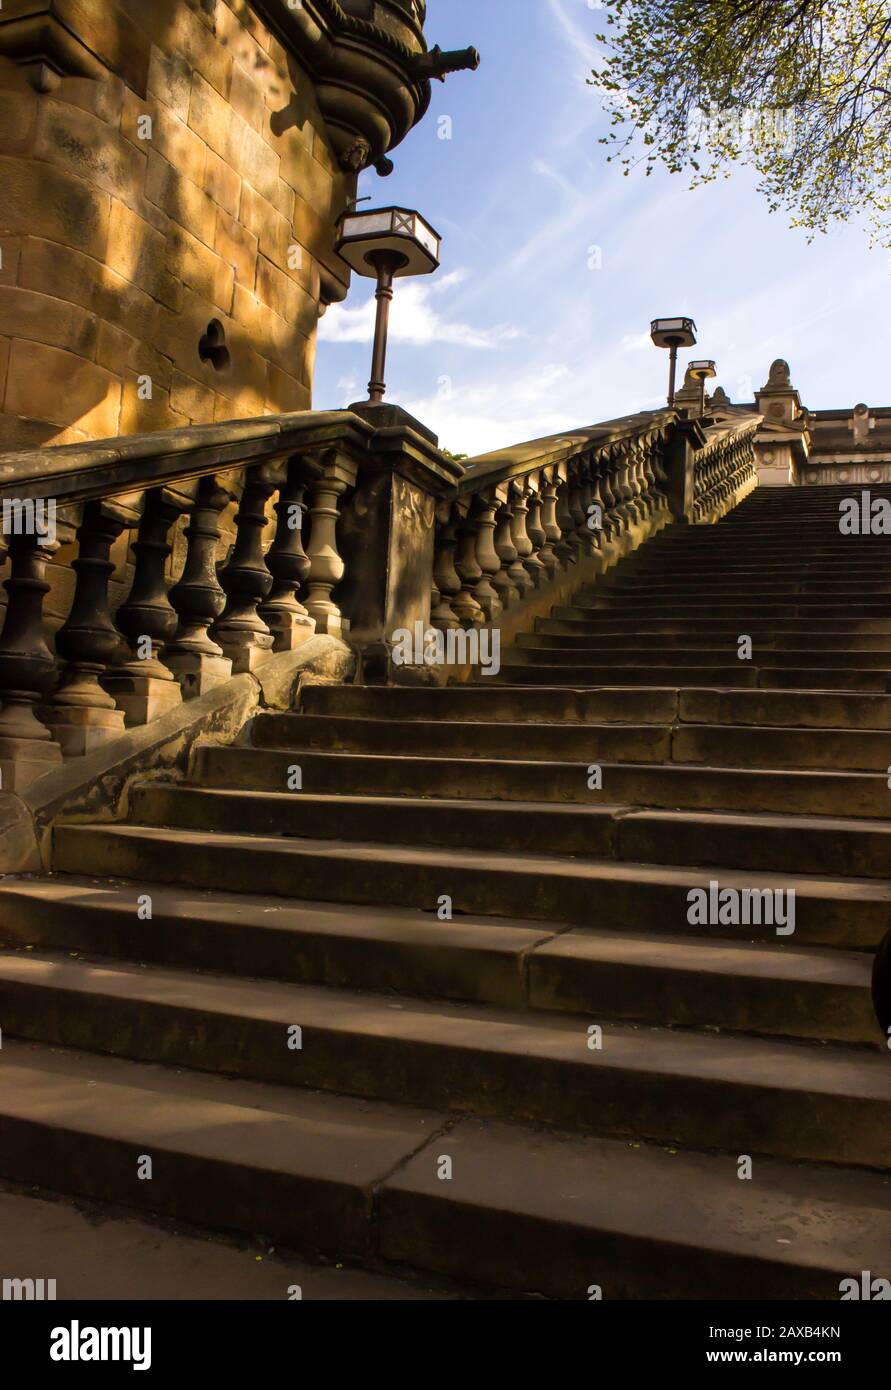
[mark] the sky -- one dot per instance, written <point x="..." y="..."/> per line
<point x="554" y="264"/>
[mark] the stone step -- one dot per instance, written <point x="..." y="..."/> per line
<point x="494" y="703"/>
<point x="652" y="654"/>
<point x="749" y="745"/>
<point x="516" y="704"/>
<point x="477" y="959"/>
<point x="764" y="638"/>
<point x="755" y="606"/>
<point x="851" y="912"/>
<point x="674" y="981"/>
<point x="649" y="743"/>
<point x="525" y="1210"/>
<point x="679" y="981"/>
<point x="667" y="787"/>
<point x="803" y="845"/>
<point x="569" y="620"/>
<point x="781" y="591"/>
<point x="780" y="1098"/>
<point x="765" y="678"/>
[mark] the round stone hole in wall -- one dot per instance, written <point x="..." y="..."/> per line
<point x="212" y="347"/>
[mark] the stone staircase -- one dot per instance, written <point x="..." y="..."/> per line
<point x="448" y="1111"/>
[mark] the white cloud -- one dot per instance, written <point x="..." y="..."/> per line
<point x="414" y="318"/>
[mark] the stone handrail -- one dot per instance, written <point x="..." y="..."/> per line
<point x="398" y="536"/>
<point x="250" y="492"/>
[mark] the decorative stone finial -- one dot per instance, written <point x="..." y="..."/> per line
<point x="780" y="374"/>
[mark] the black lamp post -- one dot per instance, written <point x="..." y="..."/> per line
<point x="672" y="334"/>
<point x="702" y="372"/>
<point x="386" y="244"/>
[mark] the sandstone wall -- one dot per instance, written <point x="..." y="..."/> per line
<point x="131" y="220"/>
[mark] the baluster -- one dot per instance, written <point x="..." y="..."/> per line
<point x="564" y="548"/>
<point x="143" y="687"/>
<point x="519" y="507"/>
<point x="284" y="615"/>
<point x="326" y="568"/>
<point x="464" y="604"/>
<point x="503" y="581"/>
<point x="27" y="667"/>
<point x="445" y="576"/>
<point x="587" y="534"/>
<point x="487" y="557"/>
<point x="535" y="566"/>
<point x="82" y="715"/>
<point x="547" y="554"/>
<point x="194" y="658"/>
<point x="240" y="631"/>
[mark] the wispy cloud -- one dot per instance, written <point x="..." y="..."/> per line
<point x="414" y="318"/>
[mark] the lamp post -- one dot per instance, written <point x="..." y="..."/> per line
<point x="386" y="244"/>
<point x="702" y="372"/>
<point x="672" y="334"/>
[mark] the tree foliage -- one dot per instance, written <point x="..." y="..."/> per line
<point x="799" y="89"/>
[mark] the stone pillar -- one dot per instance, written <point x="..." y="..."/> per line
<point x="82" y="715"/>
<point x="686" y="437"/>
<point x="289" y="565"/>
<point x="143" y="687"/>
<point x="389" y="540"/>
<point x="27" y="667"/>
<point x="240" y="631"/>
<point x="194" y="658"/>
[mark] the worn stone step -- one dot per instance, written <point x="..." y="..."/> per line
<point x="362" y="947"/>
<point x="616" y="742"/>
<point x="779" y="591"/>
<point x="536" y="1210"/>
<point x="526" y="1210"/>
<point x="495" y="703"/>
<point x="681" y="981"/>
<point x="517" y="704"/>
<point x="766" y="606"/>
<point x="552" y="674"/>
<point x="654" y="654"/>
<point x="802" y="845"/>
<point x="766" y="678"/>
<point x="780" y="1098"/>
<point x="227" y="1154"/>
<point x="743" y="746"/>
<point x="851" y="912"/>
<point x="693" y="787"/>
<point x="763" y="638"/>
<point x="602" y="621"/>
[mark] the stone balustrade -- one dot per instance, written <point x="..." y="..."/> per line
<point x="247" y="538"/>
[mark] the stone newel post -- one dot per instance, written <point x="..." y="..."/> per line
<point x="388" y="536"/>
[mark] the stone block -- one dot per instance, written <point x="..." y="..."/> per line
<point x="190" y="398"/>
<point x="261" y="167"/>
<point x="18" y="120"/>
<point x="79" y="280"/>
<point x="16" y="433"/>
<point x="180" y="198"/>
<point x="46" y="319"/>
<point x="166" y="134"/>
<point x="272" y="230"/>
<point x="44" y="201"/>
<point x="102" y="97"/>
<point x="170" y="81"/>
<point x="84" y="145"/>
<point x="45" y="383"/>
<point x="183" y="31"/>
<point x="310" y="179"/>
<point x="10" y="251"/>
<point x="238" y="246"/>
<point x="285" y="393"/>
<point x="144" y="416"/>
<point x="136" y="251"/>
<point x="211" y="117"/>
<point x="221" y="183"/>
<point x="200" y="268"/>
<point x="270" y="334"/>
<point x="247" y="99"/>
<point x="285" y="296"/>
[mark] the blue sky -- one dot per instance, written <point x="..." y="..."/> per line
<point x="519" y="334"/>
